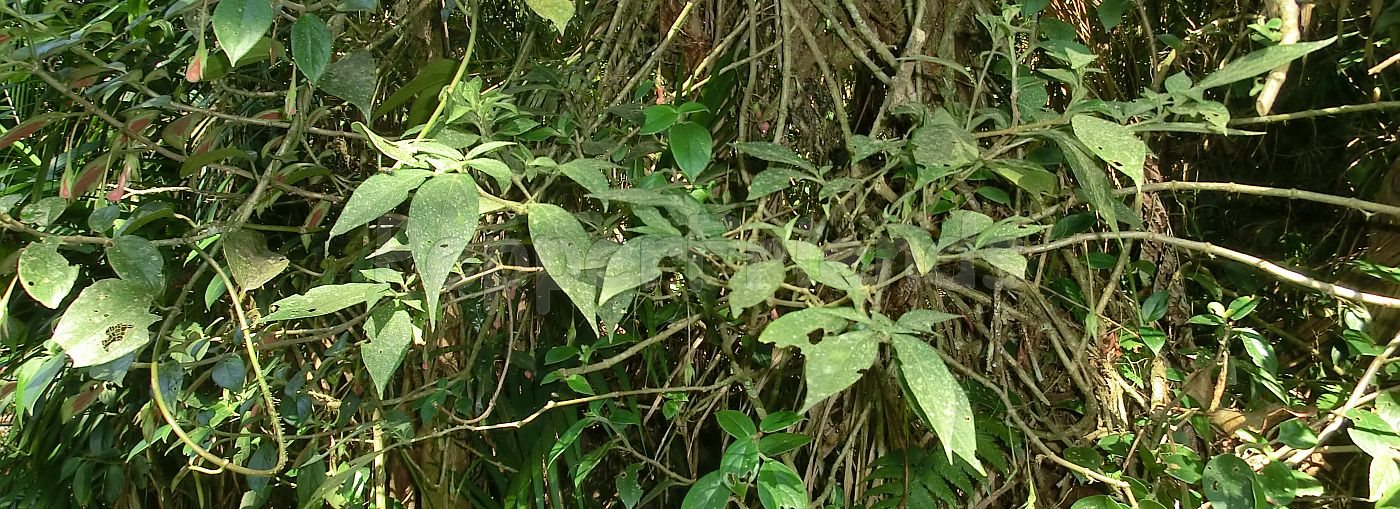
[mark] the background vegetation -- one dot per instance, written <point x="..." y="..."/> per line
<point x="699" y="254"/>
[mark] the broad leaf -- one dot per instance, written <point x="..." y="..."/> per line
<point x="793" y="328"/>
<point x="1092" y="179"/>
<point x="327" y="299"/>
<point x="939" y="396"/>
<point x="390" y="333"/>
<point x="923" y="320"/>
<point x="353" y="78"/>
<point x="251" y="263"/>
<point x="376" y="196"/>
<point x="1228" y="483"/>
<point x="1005" y="259"/>
<point x="834" y="363"/>
<point x="230" y="373"/>
<point x="776" y="444"/>
<point x="45" y="274"/>
<point x="588" y="173"/>
<point x="311" y="46"/>
<point x="1260" y="62"/>
<point x="562" y="246"/>
<point x="1113" y="143"/>
<point x="658" y="118"/>
<point x="736" y="423"/>
<point x="690" y="146"/>
<point x="774" y="152"/>
<point x="107" y="321"/>
<point x="921" y="246"/>
<point x="637" y="262"/>
<point x="779" y="487"/>
<point x="137" y="260"/>
<point x="709" y="492"/>
<point x="754" y="284"/>
<point x="441" y="222"/>
<point x="772" y="181"/>
<point x="558" y="12"/>
<point x="239" y="24"/>
<point x="962" y="224"/>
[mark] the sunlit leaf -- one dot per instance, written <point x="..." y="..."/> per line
<point x="1228" y="483"/>
<point x="562" y="246"/>
<point x="637" y="263"/>
<point x="108" y="320"/>
<point x="1260" y="62"/>
<point x="376" y="196"/>
<point x="45" y="274"/>
<point x="779" y="487"/>
<point x="327" y="299"/>
<point x="240" y="24"/>
<point x="1113" y="143"/>
<point x="558" y="12"/>
<point x="441" y="222"/>
<point x="753" y="284"/>
<point x="390" y="333"/>
<point x="939" y="396"/>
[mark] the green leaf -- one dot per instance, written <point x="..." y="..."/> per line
<point x="773" y="180"/>
<point x="1006" y="260"/>
<point x="43" y="212"/>
<point x="1296" y="434"/>
<point x="108" y="320"/>
<point x="921" y="246"/>
<point x="1025" y="175"/>
<point x="1154" y="307"/>
<point x="773" y="152"/>
<point x="496" y="169"/>
<point x="251" y="263"/>
<point x="1092" y="179"/>
<point x="736" y="424"/>
<point x="637" y="263"/>
<point x="390" y="333"/>
<point x="690" y="146"/>
<point x="1113" y="143"/>
<point x="1279" y="485"/>
<point x="923" y="320"/>
<point x="1258" y="348"/>
<point x="441" y="222"/>
<point x="558" y="12"/>
<point x="779" y="487"/>
<point x="940" y="149"/>
<point x="780" y="443"/>
<point x="311" y="46"/>
<point x="1154" y="338"/>
<point x="834" y="363"/>
<point x="353" y="78"/>
<point x="628" y="489"/>
<point x="137" y="260"/>
<point x="588" y="173"/>
<point x="1111" y="12"/>
<point x="1260" y="62"/>
<point x="708" y="492"/>
<point x="658" y="118"/>
<point x="326" y="299"/>
<point x="45" y="274"/>
<point x="1228" y="483"/>
<point x="230" y="373"/>
<point x="563" y="246"/>
<point x="793" y="328"/>
<point x="239" y="24"/>
<point x="32" y="380"/>
<point x="940" y="397"/>
<point x="753" y="284"/>
<point x="1372" y="434"/>
<point x="1385" y="476"/>
<point x="777" y="421"/>
<point x="962" y="224"/>
<point x="376" y="196"/>
<point x="199" y="161"/>
<point x="1096" y="502"/>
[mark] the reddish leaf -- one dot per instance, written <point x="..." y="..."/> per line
<point x="195" y="69"/>
<point x="177" y="133"/>
<point x="116" y="195"/>
<point x="318" y="214"/>
<point x="80" y="402"/>
<point x="269" y="115"/>
<point x="24" y="130"/>
<point x="75" y="184"/>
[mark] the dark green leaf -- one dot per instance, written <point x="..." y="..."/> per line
<point x="708" y="492"/>
<point x="239" y="24"/>
<point x="780" y="443"/>
<point x="778" y="421"/>
<point x="353" y="78"/>
<point x="230" y="373"/>
<point x="690" y="146"/>
<point x="774" y="152"/>
<point x="779" y="487"/>
<point x="311" y="46"/>
<point x="658" y="118"/>
<point x="1228" y="483"/>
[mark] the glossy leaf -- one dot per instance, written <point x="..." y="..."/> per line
<point x="690" y="146"/>
<point x="1097" y="502"/>
<point x="376" y="196"/>
<point x="736" y="424"/>
<point x="107" y="321"/>
<point x="778" y="421"/>
<point x="326" y="299"/>
<point x="240" y="24"/>
<point x="941" y="398"/>
<point x="390" y="333"/>
<point x="781" y="443"/>
<point x="658" y="118"/>
<point x="754" y="284"/>
<point x="45" y="274"/>
<point x="250" y="262"/>
<point x="311" y="46"/>
<point x="709" y="492"/>
<point x="563" y="245"/>
<point x="779" y="487"/>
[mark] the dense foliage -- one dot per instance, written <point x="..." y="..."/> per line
<point x="699" y="254"/>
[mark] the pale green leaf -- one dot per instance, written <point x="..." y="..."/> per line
<point x="251" y="263"/>
<point x="390" y="333"/>
<point x="376" y="196"/>
<point x="921" y="246"/>
<point x="441" y="222"/>
<point x="108" y="320"/>
<point x="1385" y="476"/>
<point x="497" y="170"/>
<point x="793" y="328"/>
<point x="239" y="24"/>
<point x="1091" y="178"/>
<point x="45" y="274"/>
<point x="834" y="363"/>
<point x="558" y="12"/>
<point x="962" y="224"/>
<point x="773" y="152"/>
<point x="690" y="146"/>
<point x="753" y="284"/>
<point x="326" y="299"/>
<point x="311" y="46"/>
<point x="939" y="395"/>
<point x="562" y="246"/>
<point x="940" y="149"/>
<point x="1025" y="175"/>
<point x="923" y="320"/>
<point x="1007" y="260"/>
<point x="1260" y="62"/>
<point x="395" y="150"/>
<point x="588" y="173"/>
<point x="1113" y="143"/>
<point x="637" y="263"/>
